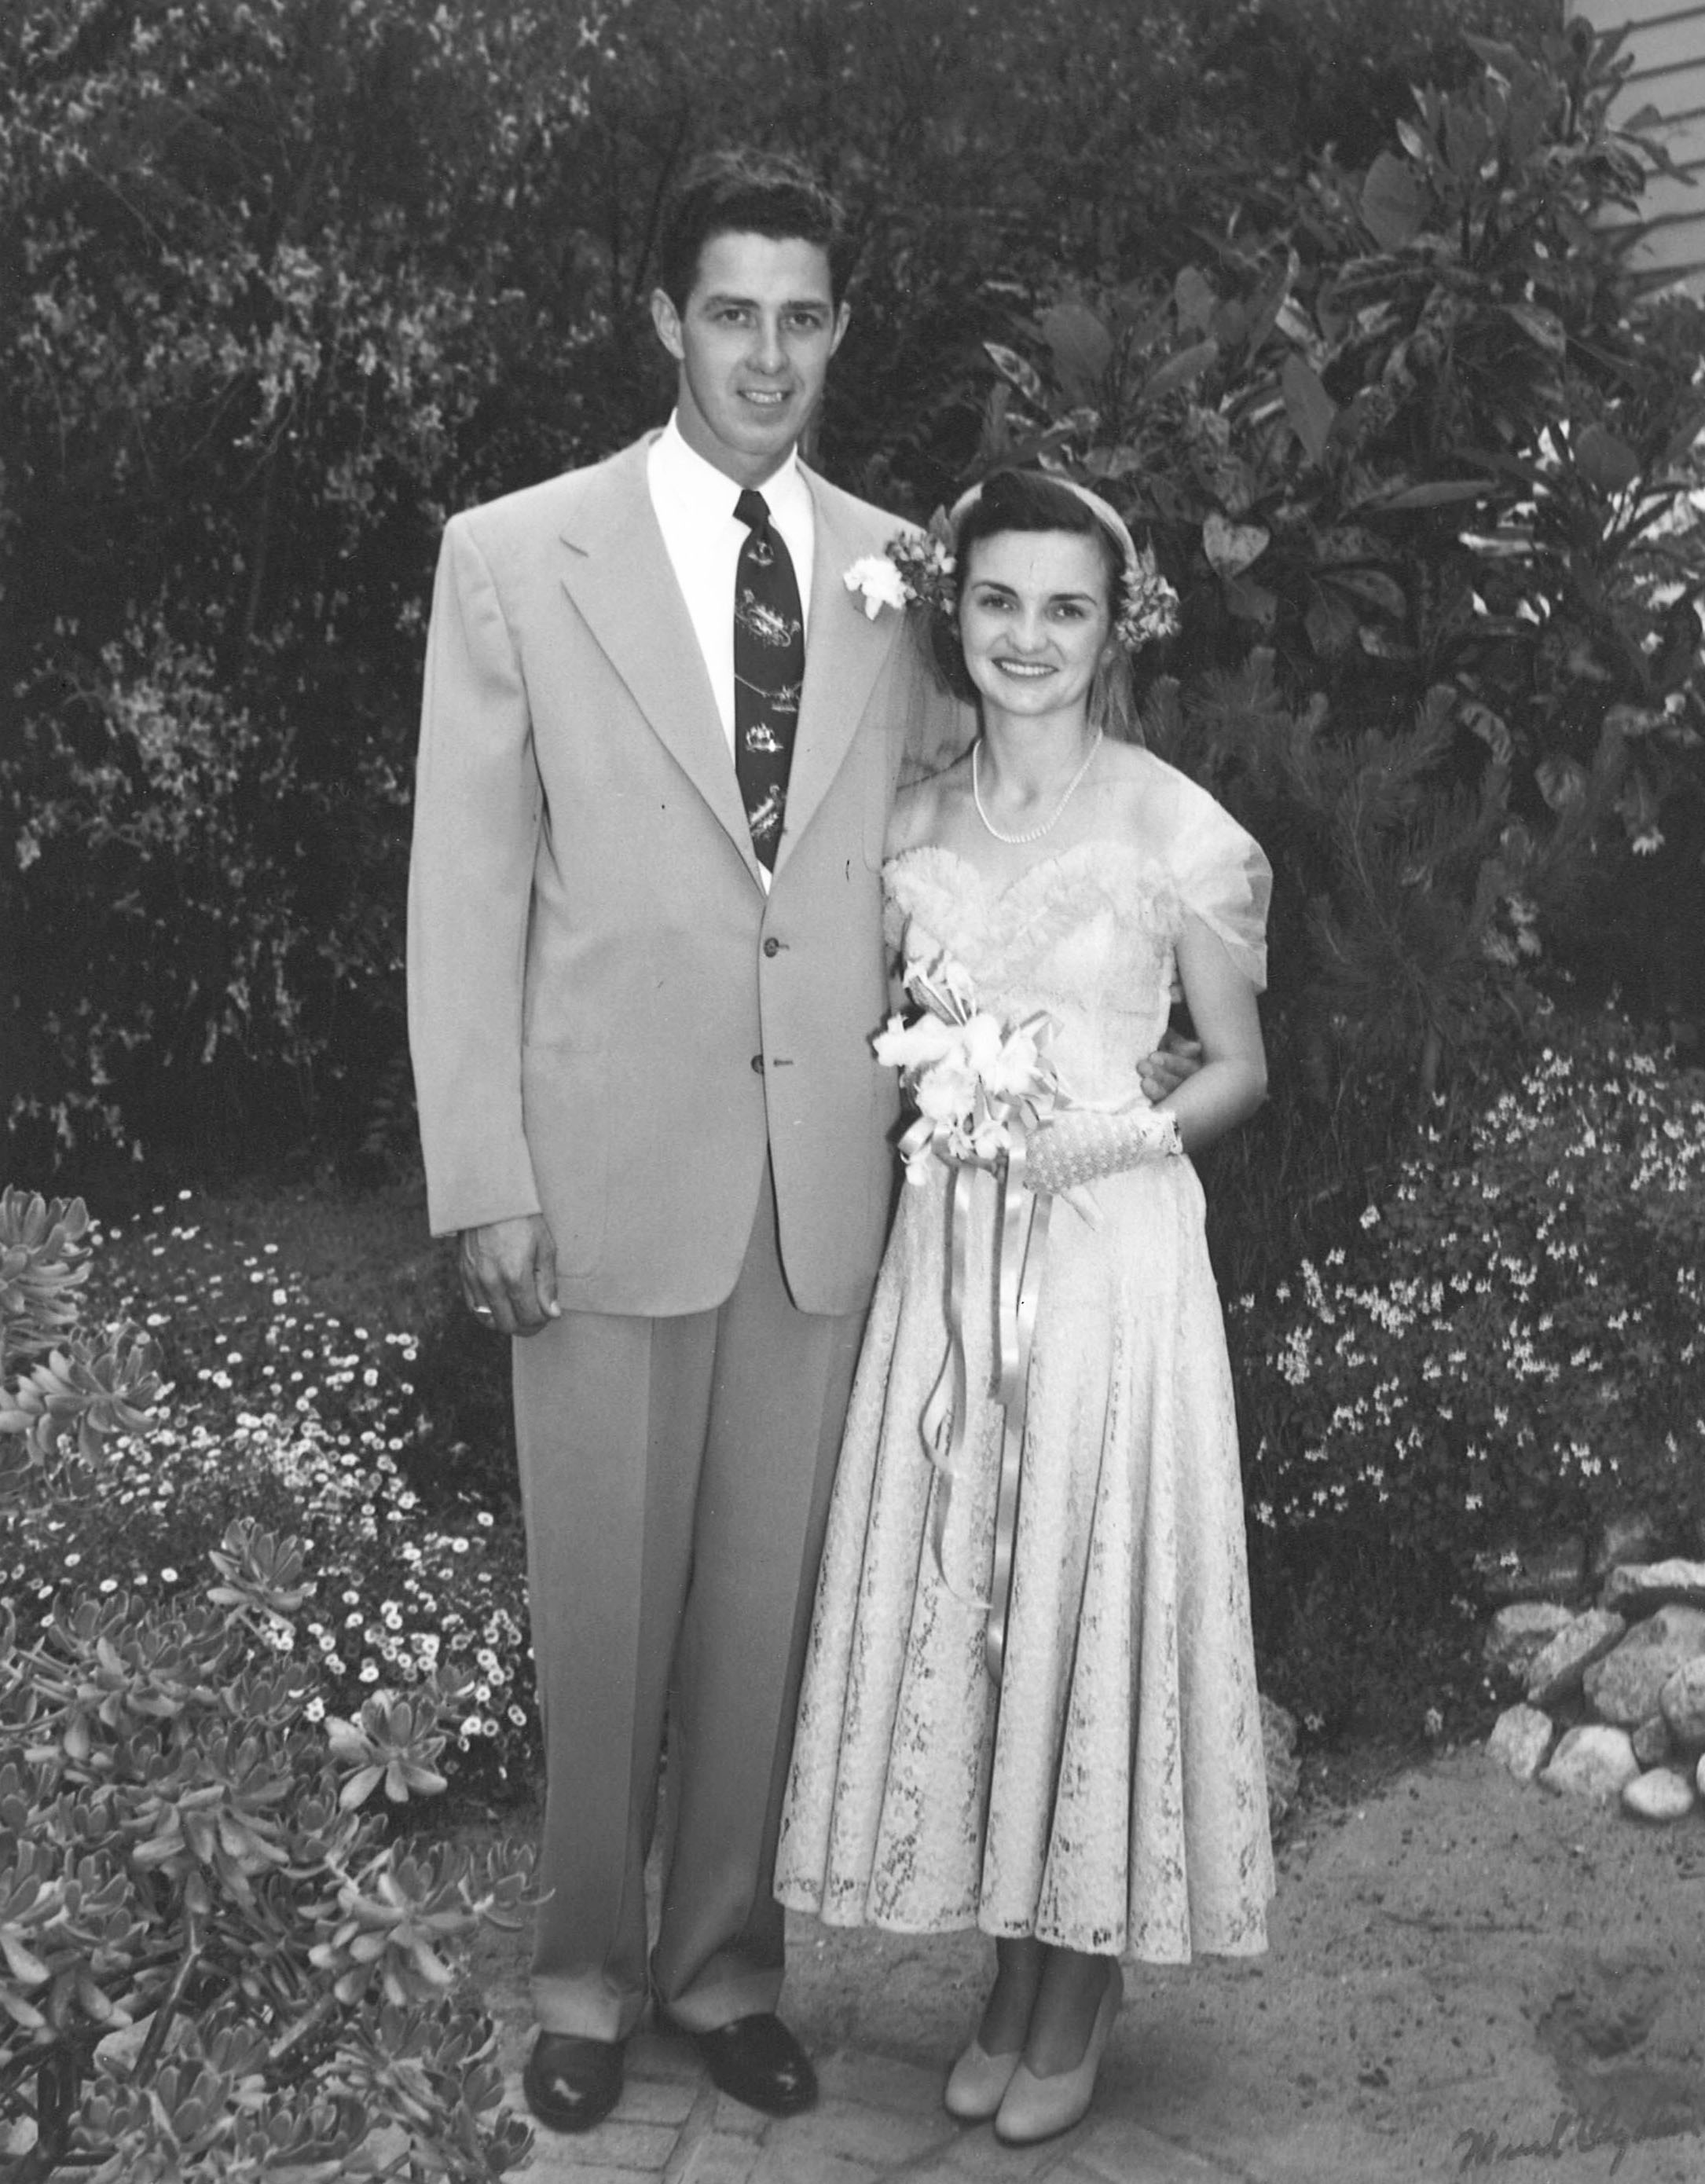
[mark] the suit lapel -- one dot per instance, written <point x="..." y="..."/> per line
<point x="844" y="653"/>
<point x="617" y="571"/>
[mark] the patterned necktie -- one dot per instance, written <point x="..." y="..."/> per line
<point x="769" y="669"/>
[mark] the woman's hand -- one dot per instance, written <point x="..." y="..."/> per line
<point x="1174" y="1063"/>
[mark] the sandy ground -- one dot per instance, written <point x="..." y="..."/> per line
<point x="1465" y="1976"/>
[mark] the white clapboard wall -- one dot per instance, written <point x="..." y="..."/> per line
<point x="1666" y="43"/>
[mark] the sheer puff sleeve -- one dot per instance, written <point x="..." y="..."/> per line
<point x="1223" y="878"/>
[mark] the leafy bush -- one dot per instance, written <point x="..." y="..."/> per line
<point x="1430" y="488"/>
<point x="1510" y="1349"/>
<point x="288" y="284"/>
<point x="215" y="1963"/>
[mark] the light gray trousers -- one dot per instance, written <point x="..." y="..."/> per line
<point x="676" y="1476"/>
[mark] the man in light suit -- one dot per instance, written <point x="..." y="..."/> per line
<point x="642" y="992"/>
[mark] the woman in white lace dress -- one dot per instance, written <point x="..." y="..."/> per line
<point x="1078" y="1771"/>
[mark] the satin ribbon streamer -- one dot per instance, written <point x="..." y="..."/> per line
<point x="1019" y="1231"/>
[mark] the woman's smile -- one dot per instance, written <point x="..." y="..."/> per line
<point x="1034" y="619"/>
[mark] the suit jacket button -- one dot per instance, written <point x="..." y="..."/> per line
<point x="758" y="1063"/>
<point x="773" y="947"/>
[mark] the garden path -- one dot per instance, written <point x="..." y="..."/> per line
<point x="1465" y="1975"/>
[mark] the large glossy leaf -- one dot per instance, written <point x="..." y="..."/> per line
<point x="1394" y="202"/>
<point x="1309" y="407"/>
<point x="1250" y="601"/>
<point x="1232" y="547"/>
<point x="1604" y="460"/>
<point x="1371" y="587"/>
<point x="1081" y="343"/>
<point x="1330" y="622"/>
<point x="1539" y="326"/>
<point x="1436" y="493"/>
<point x="1265" y="309"/>
<point x="1508" y="60"/>
<point x="1194" y="299"/>
<point x="1467" y="137"/>
<point x="1182" y="370"/>
<point x="1016" y="370"/>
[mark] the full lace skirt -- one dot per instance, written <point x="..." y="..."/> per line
<point x="1109" y="1794"/>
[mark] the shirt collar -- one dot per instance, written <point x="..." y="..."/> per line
<point x="699" y="490"/>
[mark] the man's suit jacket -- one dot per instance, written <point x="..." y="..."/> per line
<point x="610" y="1020"/>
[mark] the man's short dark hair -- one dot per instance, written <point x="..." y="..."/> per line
<point x="736" y="193"/>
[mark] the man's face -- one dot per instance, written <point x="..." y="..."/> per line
<point x="754" y="344"/>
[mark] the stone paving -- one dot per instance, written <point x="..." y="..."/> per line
<point x="878" y="2118"/>
<point x="1178" y="2102"/>
<point x="1434" y="1952"/>
<point x="880" y="2115"/>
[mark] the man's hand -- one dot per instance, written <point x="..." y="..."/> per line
<point x="1174" y="1063"/>
<point x="508" y="1272"/>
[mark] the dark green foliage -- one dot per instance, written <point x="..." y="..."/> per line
<point x="282" y="282"/>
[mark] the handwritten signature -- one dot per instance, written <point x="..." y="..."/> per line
<point x="1570" y="2134"/>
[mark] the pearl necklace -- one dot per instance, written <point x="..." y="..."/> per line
<point x="1035" y="834"/>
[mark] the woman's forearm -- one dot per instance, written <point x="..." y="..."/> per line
<point x="1219" y="1096"/>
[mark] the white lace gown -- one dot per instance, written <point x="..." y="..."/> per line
<point x="1109" y="1794"/>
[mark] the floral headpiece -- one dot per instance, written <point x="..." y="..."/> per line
<point x="916" y="569"/>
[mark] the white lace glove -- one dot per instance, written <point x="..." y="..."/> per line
<point x="1081" y="1143"/>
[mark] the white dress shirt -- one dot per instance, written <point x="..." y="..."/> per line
<point x="695" y="508"/>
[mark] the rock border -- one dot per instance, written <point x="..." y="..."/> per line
<point x="1613" y="1707"/>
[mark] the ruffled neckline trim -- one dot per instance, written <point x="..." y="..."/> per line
<point x="1060" y="862"/>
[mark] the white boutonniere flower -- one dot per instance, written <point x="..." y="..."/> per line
<point x="915" y="569"/>
<point x="875" y="583"/>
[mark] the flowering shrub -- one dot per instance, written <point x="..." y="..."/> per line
<point x="213" y="1962"/>
<point x="287" y="1417"/>
<point x="1510" y="1346"/>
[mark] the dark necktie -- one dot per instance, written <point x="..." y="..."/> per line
<point x="769" y="669"/>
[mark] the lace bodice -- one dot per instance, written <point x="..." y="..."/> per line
<point x="1089" y="934"/>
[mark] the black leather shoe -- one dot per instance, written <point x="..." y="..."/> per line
<point x="758" y="2061"/>
<point x="572" y="2084"/>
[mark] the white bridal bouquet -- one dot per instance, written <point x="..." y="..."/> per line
<point x="979" y="1083"/>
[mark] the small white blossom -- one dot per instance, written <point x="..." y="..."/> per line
<point x="876" y="584"/>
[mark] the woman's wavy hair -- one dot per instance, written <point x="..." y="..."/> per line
<point x="1029" y="501"/>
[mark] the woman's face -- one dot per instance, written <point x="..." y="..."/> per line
<point x="1034" y="619"/>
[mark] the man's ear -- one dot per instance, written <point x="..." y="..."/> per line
<point x="841" y="319"/>
<point x="667" y="320"/>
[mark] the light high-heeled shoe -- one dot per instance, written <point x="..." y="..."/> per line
<point x="1036" y="2107"/>
<point x="977" y="2082"/>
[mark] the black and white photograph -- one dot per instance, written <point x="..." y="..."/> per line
<point x="852" y="1061"/>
